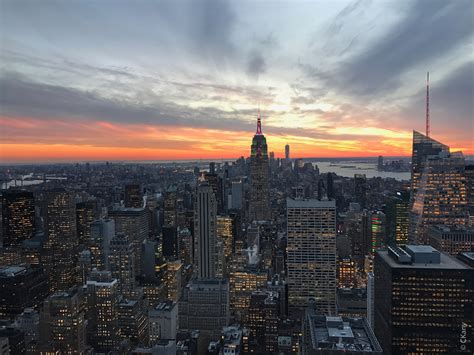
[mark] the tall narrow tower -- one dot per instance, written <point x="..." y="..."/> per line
<point x="259" y="204"/>
<point x="205" y="232"/>
<point x="428" y="104"/>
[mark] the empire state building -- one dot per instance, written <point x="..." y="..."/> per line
<point x="259" y="206"/>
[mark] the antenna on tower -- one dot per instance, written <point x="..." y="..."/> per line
<point x="428" y="104"/>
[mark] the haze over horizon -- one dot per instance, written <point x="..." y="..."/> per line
<point x="105" y="80"/>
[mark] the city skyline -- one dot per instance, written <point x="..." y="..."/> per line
<point x="183" y="80"/>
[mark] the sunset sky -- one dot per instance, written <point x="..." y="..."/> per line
<point x="160" y="80"/>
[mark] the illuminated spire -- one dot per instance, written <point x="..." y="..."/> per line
<point x="259" y="123"/>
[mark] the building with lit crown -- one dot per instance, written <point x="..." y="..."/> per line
<point x="259" y="199"/>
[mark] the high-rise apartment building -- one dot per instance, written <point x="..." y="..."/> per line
<point x="60" y="246"/>
<point x="262" y="322"/>
<point x="311" y="254"/>
<point x="397" y="209"/>
<point x="122" y="263"/>
<point x="225" y="232"/>
<point x="259" y="204"/>
<point x="170" y="206"/>
<point x="204" y="306"/>
<point x="17" y="217"/>
<point x="424" y="301"/>
<point x="102" y="232"/>
<point x="242" y="283"/>
<point x="62" y="324"/>
<point x="86" y="213"/>
<point x="102" y="303"/>
<point x="205" y="232"/>
<point x="439" y="194"/>
<point x="133" y="222"/>
<point x="133" y="321"/>
<point x="173" y="280"/>
<point x="163" y="321"/>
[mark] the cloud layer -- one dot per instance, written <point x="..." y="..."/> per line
<point x="178" y="79"/>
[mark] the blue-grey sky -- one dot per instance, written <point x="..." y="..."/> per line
<point x="175" y="79"/>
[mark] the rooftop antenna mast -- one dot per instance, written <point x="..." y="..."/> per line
<point x="428" y="104"/>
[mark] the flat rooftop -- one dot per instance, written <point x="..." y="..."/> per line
<point x="342" y="333"/>
<point x="310" y="203"/>
<point x="445" y="262"/>
<point x="12" y="271"/>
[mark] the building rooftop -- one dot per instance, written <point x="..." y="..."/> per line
<point x="419" y="257"/>
<point x="341" y="333"/>
<point x="12" y="271"/>
<point x="165" y="306"/>
<point x="310" y="203"/>
<point x="457" y="228"/>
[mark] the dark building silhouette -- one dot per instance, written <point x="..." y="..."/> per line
<point x="423" y="302"/>
<point x="86" y="213"/>
<point x="18" y="217"/>
<point x="21" y="287"/>
<point x="397" y="218"/>
<point x="60" y="246"/>
<point x="133" y="197"/>
<point x="360" y="189"/>
<point x="259" y="204"/>
<point x="62" y="324"/>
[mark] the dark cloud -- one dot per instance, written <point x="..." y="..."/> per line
<point x="50" y="103"/>
<point x="428" y="31"/>
<point x="22" y="98"/>
<point x="451" y="101"/>
<point x="256" y="65"/>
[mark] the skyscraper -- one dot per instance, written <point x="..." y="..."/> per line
<point x="423" y="302"/>
<point x="360" y="189"/>
<point x="236" y="195"/>
<point x="287" y="152"/>
<point x="397" y="218"/>
<point x="62" y="324"/>
<point x="133" y="197"/>
<point x="377" y="231"/>
<point x="204" y="306"/>
<point x="205" y="232"/>
<point x="18" y="217"/>
<point x="469" y="174"/>
<point x="103" y="298"/>
<point x="438" y="187"/>
<point x="259" y="204"/>
<point x="102" y="232"/>
<point x="311" y="254"/>
<point x="122" y="263"/>
<point x="133" y="222"/>
<point x="60" y="247"/>
<point x="85" y="215"/>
